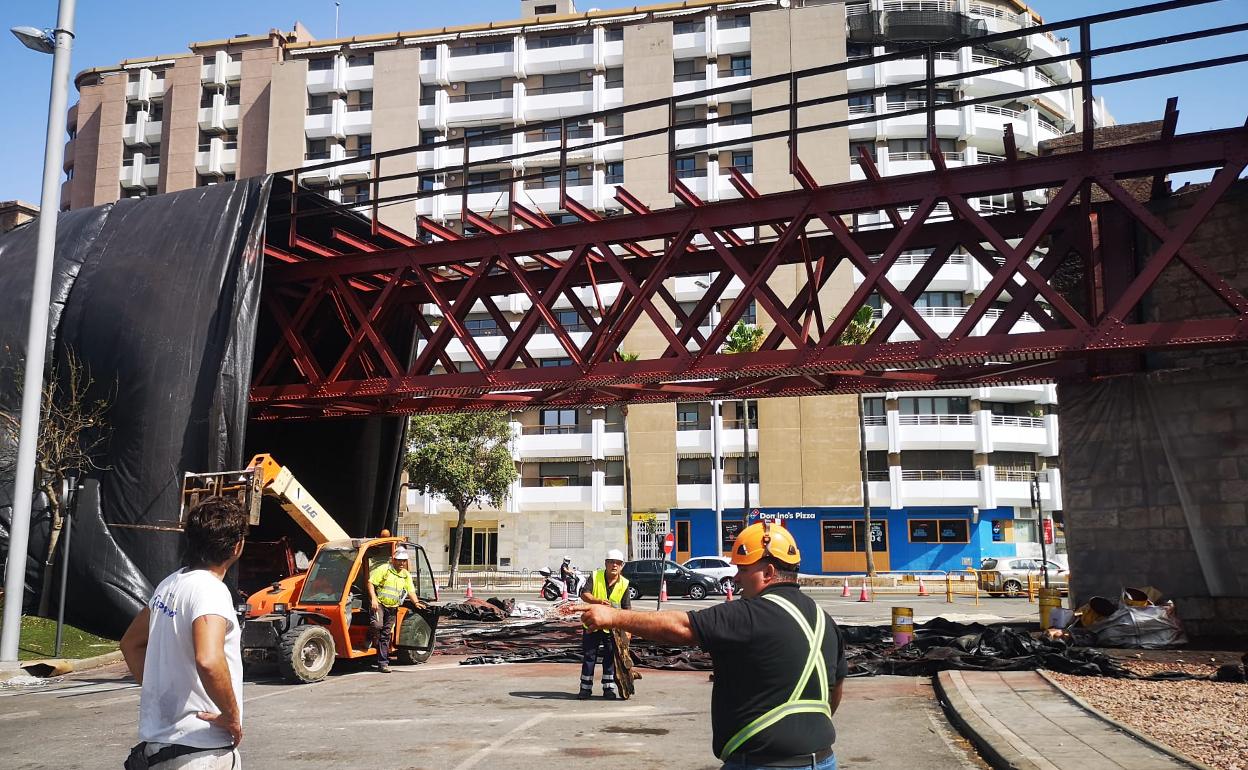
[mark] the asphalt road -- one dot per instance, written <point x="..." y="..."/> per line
<point x="443" y="716"/>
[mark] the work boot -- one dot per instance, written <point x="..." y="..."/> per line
<point x="584" y="694"/>
<point x="384" y="668"/>
<point x="610" y="695"/>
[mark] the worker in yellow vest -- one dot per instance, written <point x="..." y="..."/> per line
<point x="779" y="665"/>
<point x="389" y="585"/>
<point x="609" y="588"/>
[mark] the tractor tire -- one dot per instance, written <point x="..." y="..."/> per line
<point x="410" y="656"/>
<point x="1013" y="588"/>
<point x="306" y="654"/>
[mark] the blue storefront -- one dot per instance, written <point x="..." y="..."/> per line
<point x="832" y="539"/>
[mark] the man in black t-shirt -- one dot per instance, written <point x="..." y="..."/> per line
<point x="778" y="660"/>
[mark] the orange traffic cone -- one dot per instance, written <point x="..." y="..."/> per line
<point x="922" y="588"/>
<point x="564" y="595"/>
<point x="663" y="591"/>
<point x="863" y="596"/>
<point x="468" y="591"/>
<point x="845" y="588"/>
<point x="728" y="592"/>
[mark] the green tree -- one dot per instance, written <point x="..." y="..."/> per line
<point x="465" y="458"/>
<point x="744" y="338"/>
<point x="857" y="333"/>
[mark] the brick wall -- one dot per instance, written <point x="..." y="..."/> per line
<point x="1155" y="465"/>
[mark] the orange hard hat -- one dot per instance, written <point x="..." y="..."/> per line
<point x="765" y="538"/>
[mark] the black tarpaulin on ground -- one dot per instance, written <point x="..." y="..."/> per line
<point x="938" y="645"/>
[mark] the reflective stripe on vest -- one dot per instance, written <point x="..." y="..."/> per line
<point x="598" y="589"/>
<point x="392" y="589"/>
<point x="796" y="704"/>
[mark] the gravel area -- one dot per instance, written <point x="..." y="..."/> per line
<point x="1207" y="721"/>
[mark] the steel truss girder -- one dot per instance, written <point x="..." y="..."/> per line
<point x="368" y="373"/>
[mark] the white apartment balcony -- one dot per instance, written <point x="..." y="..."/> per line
<point x="217" y="157"/>
<point x="479" y="107"/>
<point x="703" y="495"/>
<point x="146" y="88"/>
<point x="980" y="431"/>
<point x="550" y="151"/>
<point x="328" y="81"/>
<point x="730" y="41"/>
<point x="540" y="346"/>
<point x="996" y="82"/>
<point x="949" y="123"/>
<point x="543" y="441"/>
<point x="319" y="126"/>
<point x="427" y="115"/>
<point x="726" y="190"/>
<point x="689" y="45"/>
<point x="547" y="198"/>
<point x="556" y="102"/>
<point x="909" y="70"/>
<point x="220" y="116"/>
<point x="354" y="172"/>
<point x="943" y="320"/>
<point x="935" y="431"/>
<point x="684" y="87"/>
<point x="1009" y="433"/>
<point x="319" y="176"/>
<point x="960" y="272"/>
<point x="612" y="97"/>
<point x="731" y="80"/>
<point x="559" y="58"/>
<point x="935" y="487"/>
<point x="356" y="121"/>
<point x="139" y="173"/>
<point x="1013" y="488"/>
<point x="987" y="124"/>
<point x="358" y="78"/>
<point x="219" y="70"/>
<point x="482" y="66"/>
<point x="691" y="137"/>
<point x="142" y="130"/>
<point x="895" y="163"/>
<point x="613" y="53"/>
<point x="570" y="498"/>
<point x="428" y="70"/>
<point x="66" y="193"/>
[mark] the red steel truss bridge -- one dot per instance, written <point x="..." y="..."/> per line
<point x="359" y="319"/>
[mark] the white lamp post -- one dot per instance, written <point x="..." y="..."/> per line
<point x="58" y="42"/>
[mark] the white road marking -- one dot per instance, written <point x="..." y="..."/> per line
<point x="485" y="752"/>
<point x="18" y="715"/>
<point x="107" y="701"/>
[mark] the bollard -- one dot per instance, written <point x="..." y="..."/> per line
<point x="903" y="626"/>
<point x="1050" y="599"/>
<point x="1031" y="590"/>
<point x="948" y="589"/>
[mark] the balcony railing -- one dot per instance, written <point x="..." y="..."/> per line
<point x="1018" y="422"/>
<point x="920" y="5"/>
<point x="1011" y="474"/>
<point x="990" y="61"/>
<point x="553" y="430"/>
<point x="1003" y="111"/>
<point x="921" y="259"/>
<point x="484" y="96"/>
<point x="991" y="12"/>
<point x="877" y="420"/>
<point x="908" y="475"/>
<point x="987" y="157"/>
<point x="861" y="109"/>
<point x="551" y="90"/>
<point x="1050" y="125"/>
<point x="557" y="481"/>
<point x="693" y="425"/>
<point x="362" y="107"/>
<point x="322" y="155"/>
<point x="935" y="419"/>
<point x="1043" y="78"/>
<point x="877" y="476"/>
<point x="325" y="110"/>
<point x="924" y="156"/>
<point x="693" y="478"/>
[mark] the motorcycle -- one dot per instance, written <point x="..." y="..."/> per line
<point x="553" y="587"/>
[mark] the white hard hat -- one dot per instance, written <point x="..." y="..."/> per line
<point x="615" y="554"/>
<point x="567" y="559"/>
<point x="402" y="553"/>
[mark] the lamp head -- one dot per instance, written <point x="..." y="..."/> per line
<point x="35" y="39"/>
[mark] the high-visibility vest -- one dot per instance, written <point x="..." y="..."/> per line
<point x="390" y="585"/>
<point x="599" y="589"/>
<point x="796" y="704"/>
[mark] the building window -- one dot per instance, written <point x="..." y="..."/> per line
<point x="939" y="299"/>
<point x="132" y="113"/>
<point x="693" y="470"/>
<point x="486" y="182"/>
<point x="484" y="47"/>
<point x="558" y="41"/>
<point x="429" y="137"/>
<point x="563" y="474"/>
<point x="481" y="326"/>
<point x="425" y="182"/>
<point x="360" y="60"/>
<point x="615" y="34"/>
<point x="686" y="167"/>
<point x="565" y="535"/>
<point x="615" y="125"/>
<point x="940" y="531"/>
<point x="229" y="140"/>
<point x="614" y="476"/>
<point x="547" y="363"/>
<point x="318" y="149"/>
<point x="734" y="470"/>
<point x="847" y="536"/>
<point x="562" y="83"/>
<point x="859" y="51"/>
<point x="360" y="101"/>
<point x="856" y="148"/>
<point x="559" y="421"/>
<point x="542" y="10"/>
<point x="429" y="53"/>
<point x="206" y="97"/>
<point x="735" y="22"/>
<point x="359" y="144"/>
<point x="615" y="173"/>
<point x="156" y="112"/>
<point x="320" y="65"/>
<point x="689" y="417"/>
<point x="320" y="104"/>
<point x="428" y="94"/>
<point x="355" y="194"/>
<point x="471" y="135"/>
<point x="233" y="95"/>
<point x="481" y="90"/>
<point x="686" y="70"/>
<point x="934" y="405"/>
<point x="739" y="67"/>
<point x="743" y="161"/>
<point x="682" y="115"/>
<point x="614" y="77"/>
<point x="688" y="27"/>
<point x="739" y="116"/>
<point x="569" y="320"/>
<point x="873" y="407"/>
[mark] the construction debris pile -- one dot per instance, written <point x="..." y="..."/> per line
<point x="938" y="645"/>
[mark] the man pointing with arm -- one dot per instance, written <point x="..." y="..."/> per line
<point x="778" y="662"/>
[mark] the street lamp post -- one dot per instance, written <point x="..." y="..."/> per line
<point x="1036" y="505"/>
<point x="59" y="43"/>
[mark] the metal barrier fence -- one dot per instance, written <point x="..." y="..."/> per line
<point x="958" y="583"/>
<point x="494" y="579"/>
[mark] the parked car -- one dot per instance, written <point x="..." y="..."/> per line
<point x="1008" y="577"/>
<point x="718" y="567"/>
<point x="643" y="579"/>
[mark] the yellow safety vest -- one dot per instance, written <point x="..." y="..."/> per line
<point x="796" y="704"/>
<point x="391" y="586"/>
<point x="599" y="588"/>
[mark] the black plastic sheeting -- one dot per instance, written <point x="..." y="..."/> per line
<point x="938" y="645"/>
<point x="158" y="298"/>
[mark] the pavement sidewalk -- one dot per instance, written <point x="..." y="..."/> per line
<point x="1021" y="721"/>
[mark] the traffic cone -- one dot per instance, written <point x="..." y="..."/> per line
<point x="663" y="591"/>
<point x="728" y="593"/>
<point x="845" y="588"/>
<point x="468" y="591"/>
<point x="862" y="595"/>
<point x="564" y="595"/>
<point x="922" y="588"/>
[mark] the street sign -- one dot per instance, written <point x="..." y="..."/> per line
<point x="1048" y="532"/>
<point x="669" y="542"/>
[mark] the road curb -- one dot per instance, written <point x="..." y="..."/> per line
<point x="998" y="754"/>
<point x="1156" y="744"/>
<point x="59" y="666"/>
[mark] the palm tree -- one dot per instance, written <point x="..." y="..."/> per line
<point x="857" y="333"/>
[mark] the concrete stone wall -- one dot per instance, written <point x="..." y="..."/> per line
<point x="180" y="129"/>
<point x="396" y="124"/>
<point x="253" y="123"/>
<point x="1156" y="465"/>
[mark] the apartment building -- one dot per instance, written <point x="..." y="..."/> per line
<point x="951" y="473"/>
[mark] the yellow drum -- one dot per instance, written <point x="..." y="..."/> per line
<point x="1050" y="599"/>
<point x="903" y="626"/>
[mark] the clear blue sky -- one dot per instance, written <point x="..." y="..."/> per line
<point x="109" y="32"/>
